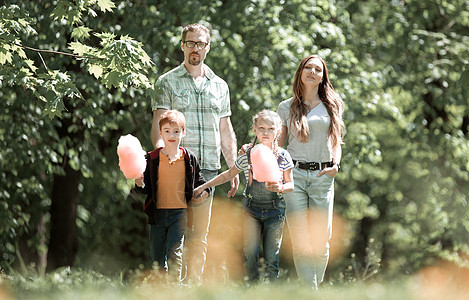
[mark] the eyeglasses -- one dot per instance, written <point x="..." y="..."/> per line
<point x="192" y="44"/>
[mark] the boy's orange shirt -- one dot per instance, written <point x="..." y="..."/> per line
<point x="171" y="183"/>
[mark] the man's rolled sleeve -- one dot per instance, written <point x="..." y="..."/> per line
<point x="226" y="108"/>
<point x="163" y="99"/>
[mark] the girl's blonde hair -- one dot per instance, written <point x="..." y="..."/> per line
<point x="327" y="95"/>
<point x="271" y="115"/>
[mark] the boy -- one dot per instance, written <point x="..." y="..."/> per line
<point x="171" y="175"/>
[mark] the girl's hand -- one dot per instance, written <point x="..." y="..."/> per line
<point x="197" y="192"/>
<point x="274" y="186"/>
<point x="244" y="148"/>
<point x="199" y="198"/>
<point x="139" y="181"/>
<point x="331" y="172"/>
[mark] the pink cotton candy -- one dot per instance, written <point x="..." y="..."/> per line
<point x="131" y="156"/>
<point x="264" y="164"/>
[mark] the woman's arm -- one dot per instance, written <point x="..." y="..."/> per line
<point x="336" y="156"/>
<point x="282" y="138"/>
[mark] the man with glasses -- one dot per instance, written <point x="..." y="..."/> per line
<point x="193" y="89"/>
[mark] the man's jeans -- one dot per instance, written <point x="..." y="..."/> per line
<point x="167" y="239"/>
<point x="196" y="234"/>
<point x="309" y="219"/>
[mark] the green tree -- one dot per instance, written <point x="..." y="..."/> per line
<point x="45" y="160"/>
<point x="414" y="199"/>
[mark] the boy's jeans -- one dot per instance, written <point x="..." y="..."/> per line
<point x="167" y="239"/>
<point x="264" y="220"/>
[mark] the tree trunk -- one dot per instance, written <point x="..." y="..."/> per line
<point x="63" y="242"/>
<point x="32" y="254"/>
<point x="363" y="239"/>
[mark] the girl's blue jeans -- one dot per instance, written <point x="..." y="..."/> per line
<point x="264" y="225"/>
<point x="264" y="220"/>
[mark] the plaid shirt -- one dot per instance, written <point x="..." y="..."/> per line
<point x="203" y="109"/>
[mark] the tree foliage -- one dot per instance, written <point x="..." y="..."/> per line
<point x="84" y="88"/>
<point x="418" y="192"/>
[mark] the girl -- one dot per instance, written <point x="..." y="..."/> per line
<point x="264" y="204"/>
<point x="313" y="120"/>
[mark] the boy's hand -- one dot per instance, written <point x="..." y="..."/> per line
<point x="139" y="181"/>
<point x="199" y="198"/>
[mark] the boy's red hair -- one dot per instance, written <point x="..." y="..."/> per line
<point x="173" y="117"/>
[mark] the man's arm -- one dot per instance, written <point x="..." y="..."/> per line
<point x="228" y="148"/>
<point x="156" y="139"/>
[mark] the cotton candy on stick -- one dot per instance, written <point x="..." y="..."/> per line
<point x="131" y="156"/>
<point x="264" y="164"/>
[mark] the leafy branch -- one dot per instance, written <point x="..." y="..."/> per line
<point x="119" y="62"/>
<point x="58" y="52"/>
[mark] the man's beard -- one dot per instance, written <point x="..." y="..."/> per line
<point x="195" y="61"/>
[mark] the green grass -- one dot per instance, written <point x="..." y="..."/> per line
<point x="438" y="282"/>
<point x="68" y="284"/>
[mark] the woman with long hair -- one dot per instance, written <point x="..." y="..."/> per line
<point x="312" y="121"/>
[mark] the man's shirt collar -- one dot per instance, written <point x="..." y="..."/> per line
<point x="182" y="71"/>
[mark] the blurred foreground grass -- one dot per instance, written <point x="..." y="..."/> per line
<point x="68" y="284"/>
<point x="224" y="271"/>
<point x="89" y="285"/>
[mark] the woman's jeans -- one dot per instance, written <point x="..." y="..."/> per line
<point x="309" y="219"/>
<point x="264" y="220"/>
<point x="167" y="239"/>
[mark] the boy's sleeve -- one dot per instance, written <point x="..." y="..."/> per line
<point x="146" y="181"/>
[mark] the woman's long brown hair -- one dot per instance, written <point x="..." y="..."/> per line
<point x="331" y="100"/>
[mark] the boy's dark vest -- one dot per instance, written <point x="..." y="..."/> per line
<point x="153" y="165"/>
